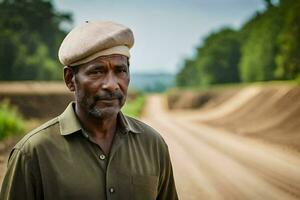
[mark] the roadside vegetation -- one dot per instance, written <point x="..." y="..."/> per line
<point x="265" y="48"/>
<point x="134" y="107"/>
<point x="11" y="122"/>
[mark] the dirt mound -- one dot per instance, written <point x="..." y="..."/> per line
<point x="33" y="87"/>
<point x="269" y="112"/>
<point x="273" y="115"/>
<point x="37" y="99"/>
<point x="188" y="99"/>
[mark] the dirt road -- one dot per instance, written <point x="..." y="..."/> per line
<point x="212" y="164"/>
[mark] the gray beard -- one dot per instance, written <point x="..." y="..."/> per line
<point x="96" y="112"/>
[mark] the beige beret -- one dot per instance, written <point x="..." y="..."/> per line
<point x="93" y="39"/>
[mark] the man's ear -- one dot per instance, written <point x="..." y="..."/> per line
<point x="69" y="78"/>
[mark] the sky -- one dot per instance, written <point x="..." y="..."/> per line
<point x="166" y="31"/>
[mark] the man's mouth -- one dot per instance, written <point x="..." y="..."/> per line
<point x="107" y="99"/>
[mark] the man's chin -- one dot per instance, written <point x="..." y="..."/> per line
<point x="103" y="112"/>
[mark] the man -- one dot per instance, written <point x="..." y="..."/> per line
<point x="92" y="151"/>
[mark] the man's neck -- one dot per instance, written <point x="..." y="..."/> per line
<point x="98" y="128"/>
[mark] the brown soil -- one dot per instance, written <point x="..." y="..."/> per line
<point x="36" y="99"/>
<point x="211" y="163"/>
<point x="190" y="99"/>
<point x="273" y="115"/>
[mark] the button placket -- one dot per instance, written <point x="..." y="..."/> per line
<point x="101" y="157"/>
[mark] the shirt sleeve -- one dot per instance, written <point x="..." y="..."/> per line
<point x="167" y="188"/>
<point x="20" y="182"/>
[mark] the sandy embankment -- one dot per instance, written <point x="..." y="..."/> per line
<point x="270" y="113"/>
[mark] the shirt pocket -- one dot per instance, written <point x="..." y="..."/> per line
<point x="144" y="187"/>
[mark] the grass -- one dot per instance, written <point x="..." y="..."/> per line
<point x="134" y="107"/>
<point x="11" y="122"/>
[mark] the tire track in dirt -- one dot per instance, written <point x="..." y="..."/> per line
<point x="278" y="168"/>
<point x="209" y="164"/>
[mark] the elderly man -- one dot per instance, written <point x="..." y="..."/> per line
<point x="92" y="151"/>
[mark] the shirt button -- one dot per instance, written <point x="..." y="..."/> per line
<point x="102" y="156"/>
<point x="111" y="190"/>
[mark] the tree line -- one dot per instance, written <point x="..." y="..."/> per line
<point x="30" y="35"/>
<point x="266" y="47"/>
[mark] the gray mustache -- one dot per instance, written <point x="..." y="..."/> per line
<point x="108" y="96"/>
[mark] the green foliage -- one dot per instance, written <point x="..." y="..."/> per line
<point x="267" y="47"/>
<point x="298" y="79"/>
<point x="259" y="47"/>
<point x="216" y="61"/>
<point x="11" y="122"/>
<point x="30" y="35"/>
<point x="288" y="58"/>
<point x="187" y="76"/>
<point x="134" y="107"/>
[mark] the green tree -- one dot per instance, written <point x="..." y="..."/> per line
<point x="30" y="35"/>
<point x="188" y="75"/>
<point x="218" y="58"/>
<point x="288" y="58"/>
<point x="259" y="48"/>
<point x="216" y="61"/>
<point x="267" y="47"/>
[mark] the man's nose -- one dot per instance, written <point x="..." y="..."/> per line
<point x="110" y="82"/>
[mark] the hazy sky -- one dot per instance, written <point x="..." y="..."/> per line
<point x="166" y="31"/>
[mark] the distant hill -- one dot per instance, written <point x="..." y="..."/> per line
<point x="152" y="82"/>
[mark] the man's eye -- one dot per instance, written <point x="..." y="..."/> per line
<point x="97" y="72"/>
<point x="122" y="70"/>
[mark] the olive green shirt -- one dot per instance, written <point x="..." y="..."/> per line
<point x="58" y="161"/>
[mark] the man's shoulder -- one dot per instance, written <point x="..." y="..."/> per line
<point x="37" y="135"/>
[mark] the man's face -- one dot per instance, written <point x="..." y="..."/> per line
<point x="101" y="85"/>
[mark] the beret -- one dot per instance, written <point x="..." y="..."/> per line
<point x="93" y="39"/>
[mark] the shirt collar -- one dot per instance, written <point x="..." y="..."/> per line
<point x="69" y="122"/>
<point x="127" y="124"/>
